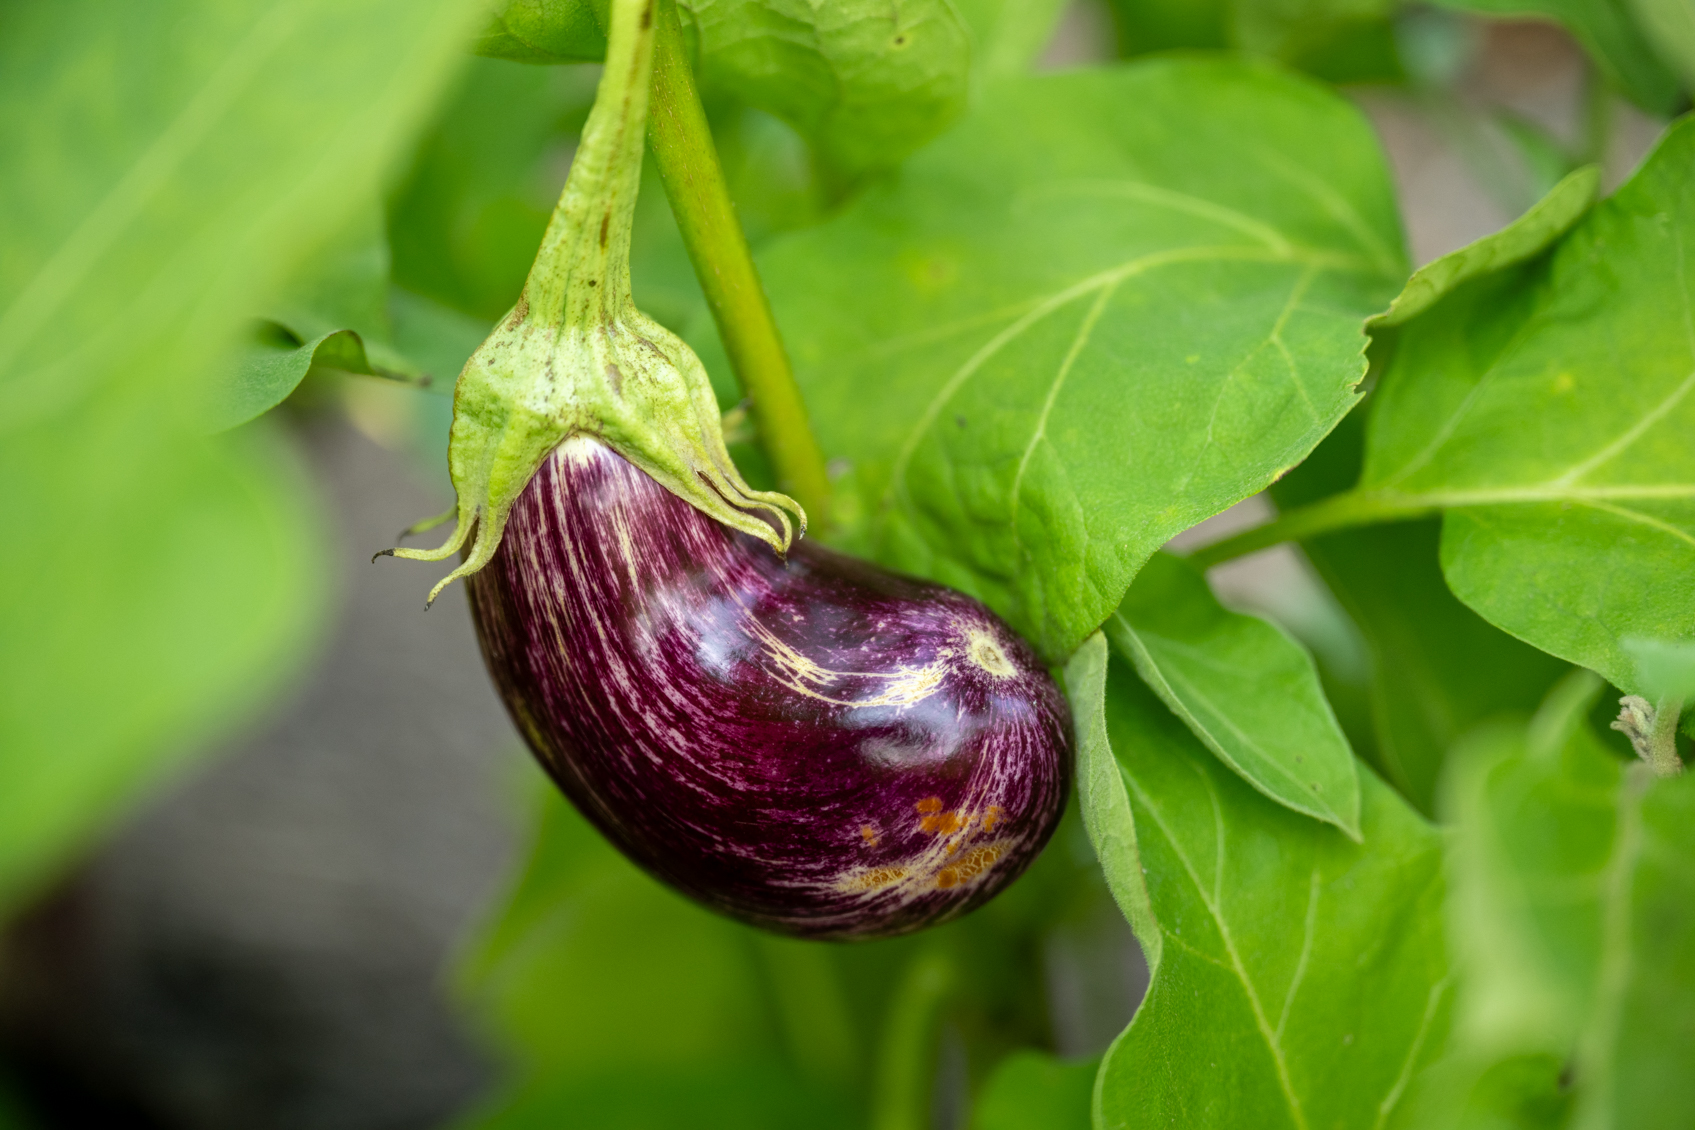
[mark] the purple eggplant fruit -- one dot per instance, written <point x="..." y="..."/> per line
<point x="815" y="746"/>
<point x="799" y="739"/>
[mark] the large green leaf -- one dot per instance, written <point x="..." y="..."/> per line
<point x="1611" y="36"/>
<point x="1105" y="802"/>
<point x="167" y="165"/>
<point x="1299" y="978"/>
<point x="1243" y="686"/>
<point x="1527" y="236"/>
<point x="1104" y="307"/>
<point x="1573" y="920"/>
<point x="866" y="81"/>
<point x="1546" y="407"/>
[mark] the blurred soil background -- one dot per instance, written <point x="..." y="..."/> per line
<point x="264" y="946"/>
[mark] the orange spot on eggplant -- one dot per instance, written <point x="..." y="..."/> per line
<point x="994" y="816"/>
<point x="869" y="834"/>
<point x="929" y="804"/>
<point x="972" y="864"/>
<point x="879" y="877"/>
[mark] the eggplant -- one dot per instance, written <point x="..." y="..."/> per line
<point x="813" y="745"/>
<point x="796" y="738"/>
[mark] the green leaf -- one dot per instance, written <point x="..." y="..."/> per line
<point x="1247" y="690"/>
<point x="1031" y="1089"/>
<point x="624" y="1004"/>
<point x="266" y="372"/>
<point x="865" y="81"/>
<point x="1572" y="922"/>
<point x="1105" y="803"/>
<point x="466" y="218"/>
<point x="168" y="165"/>
<point x="1670" y="26"/>
<point x="1302" y="979"/>
<point x="1527" y="236"/>
<point x="1338" y="40"/>
<point x="1436" y="668"/>
<point x="543" y="31"/>
<point x="1608" y="33"/>
<point x="1664" y="669"/>
<point x="1546" y="407"/>
<point x="1104" y="307"/>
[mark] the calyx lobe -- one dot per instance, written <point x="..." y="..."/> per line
<point x="575" y="356"/>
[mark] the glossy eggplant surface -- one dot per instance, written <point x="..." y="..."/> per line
<point x="814" y="745"/>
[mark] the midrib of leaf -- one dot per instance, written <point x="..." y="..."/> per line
<point x="1196" y="206"/>
<point x="1272" y="1043"/>
<point x="1109" y="278"/>
<point x="59" y="276"/>
<point x="1613" y="974"/>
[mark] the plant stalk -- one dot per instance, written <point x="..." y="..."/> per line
<point x="1338" y="512"/>
<point x="700" y="200"/>
<point x="1662" y="741"/>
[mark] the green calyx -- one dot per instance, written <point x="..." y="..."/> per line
<point x="575" y="356"/>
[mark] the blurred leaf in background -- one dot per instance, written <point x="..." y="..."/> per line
<point x="1337" y="40"/>
<point x="1612" y="37"/>
<point x="169" y="166"/>
<point x="620" y="1003"/>
<point x="1007" y="36"/>
<point x="1572" y="915"/>
<point x="626" y="1005"/>
<point x="1030" y="1089"/>
<point x="1670" y="27"/>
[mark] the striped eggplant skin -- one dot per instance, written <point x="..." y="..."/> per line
<point x="814" y="745"/>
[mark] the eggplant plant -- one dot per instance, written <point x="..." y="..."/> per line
<point x="838" y="592"/>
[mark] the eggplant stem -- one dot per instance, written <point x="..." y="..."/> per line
<point x="694" y="184"/>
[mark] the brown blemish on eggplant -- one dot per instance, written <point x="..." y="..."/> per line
<point x="877" y="877"/>
<point x="970" y="866"/>
<point x="615" y="377"/>
<point x="605" y="223"/>
<point x="519" y="312"/>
